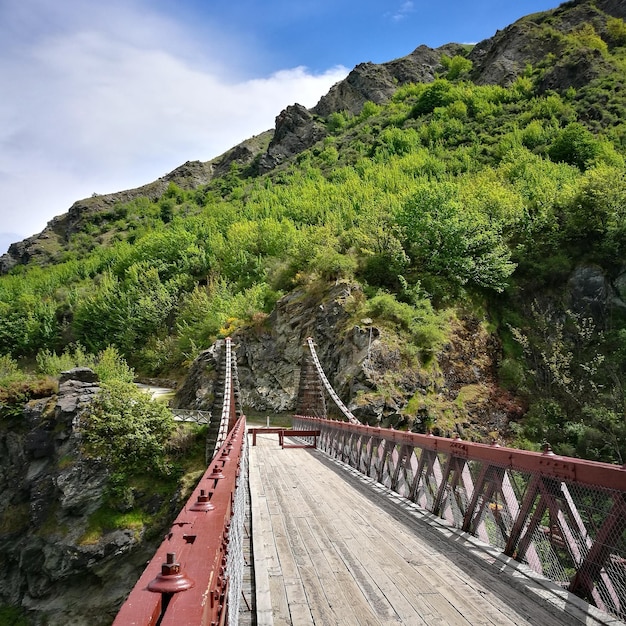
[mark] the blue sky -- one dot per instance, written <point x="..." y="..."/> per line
<point x="101" y="97"/>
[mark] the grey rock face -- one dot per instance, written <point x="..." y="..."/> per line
<point x="588" y="292"/>
<point x="268" y="358"/>
<point x="198" y="389"/>
<point x="296" y="130"/>
<point x="47" y="492"/>
<point x="377" y="83"/>
<point x="365" y="368"/>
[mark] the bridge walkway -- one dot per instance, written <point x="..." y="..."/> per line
<point x="329" y="549"/>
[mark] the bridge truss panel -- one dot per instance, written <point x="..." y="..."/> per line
<point x="563" y="517"/>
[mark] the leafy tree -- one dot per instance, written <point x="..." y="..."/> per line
<point x="597" y="213"/>
<point x="337" y="121"/>
<point x="369" y="110"/>
<point x="449" y="239"/>
<point x="127" y="312"/>
<point x="437" y="94"/>
<point x="574" y="145"/>
<point x="457" y="66"/>
<point x="127" y="429"/>
<point x="332" y="265"/>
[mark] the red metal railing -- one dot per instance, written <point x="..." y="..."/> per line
<point x="564" y="517"/>
<point x="189" y="578"/>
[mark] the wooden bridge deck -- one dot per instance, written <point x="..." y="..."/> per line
<point x="328" y="549"/>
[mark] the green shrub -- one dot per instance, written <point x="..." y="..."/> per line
<point x="111" y="366"/>
<point x="9" y="371"/>
<point x="12" y="616"/>
<point x="369" y="110"/>
<point x="332" y="265"/>
<point x="586" y="36"/>
<point x="437" y="94"/>
<point x="426" y="328"/>
<point x="50" y="363"/>
<point x="511" y="374"/>
<point x="616" y="28"/>
<point x="574" y="145"/>
<point x="457" y="66"/>
<point x="337" y="121"/>
<point x="127" y="430"/>
<point x="108" y="364"/>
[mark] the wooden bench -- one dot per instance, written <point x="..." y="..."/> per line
<point x="286" y="432"/>
<point x="300" y="433"/>
<point x="266" y="430"/>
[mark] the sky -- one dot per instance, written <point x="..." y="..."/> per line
<point x="98" y="97"/>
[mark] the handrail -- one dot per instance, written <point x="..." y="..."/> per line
<point x="191" y="415"/>
<point x="229" y="402"/>
<point x="564" y="517"/>
<point x="195" y="575"/>
<point x="188" y="579"/>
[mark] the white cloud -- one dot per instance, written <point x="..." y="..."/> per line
<point x="403" y="10"/>
<point x="104" y="100"/>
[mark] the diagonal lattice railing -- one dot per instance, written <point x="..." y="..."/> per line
<point x="563" y="517"/>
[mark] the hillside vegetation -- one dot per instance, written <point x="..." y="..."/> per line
<point x="451" y="196"/>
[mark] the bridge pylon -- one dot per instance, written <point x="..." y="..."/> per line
<point x="311" y="400"/>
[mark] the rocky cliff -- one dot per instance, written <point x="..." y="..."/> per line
<point x="366" y="366"/>
<point x="457" y="391"/>
<point x="52" y="566"/>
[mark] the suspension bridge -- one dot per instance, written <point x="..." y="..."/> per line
<point x="351" y="524"/>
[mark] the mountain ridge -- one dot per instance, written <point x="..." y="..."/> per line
<point x="499" y="59"/>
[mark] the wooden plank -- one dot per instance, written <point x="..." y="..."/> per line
<point x="260" y="523"/>
<point x="498" y="606"/>
<point x="329" y="604"/>
<point x="347" y="554"/>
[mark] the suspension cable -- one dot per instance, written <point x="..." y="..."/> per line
<point x="331" y="392"/>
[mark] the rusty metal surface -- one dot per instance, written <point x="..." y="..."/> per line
<point x="186" y="581"/>
<point x="564" y="517"/>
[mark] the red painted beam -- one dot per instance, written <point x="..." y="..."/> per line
<point x="592" y="473"/>
<point x="187" y="574"/>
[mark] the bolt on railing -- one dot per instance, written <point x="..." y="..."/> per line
<point x="195" y="575"/>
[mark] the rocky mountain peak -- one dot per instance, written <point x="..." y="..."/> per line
<point x="497" y="60"/>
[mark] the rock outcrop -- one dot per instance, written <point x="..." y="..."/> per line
<point x="529" y="41"/>
<point x="48" y="491"/>
<point x="296" y="130"/>
<point x="378" y="82"/>
<point x="364" y="365"/>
